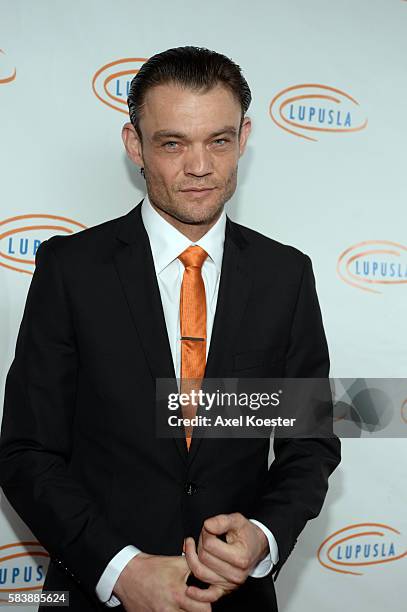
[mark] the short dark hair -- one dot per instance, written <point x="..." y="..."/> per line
<point x="192" y="67"/>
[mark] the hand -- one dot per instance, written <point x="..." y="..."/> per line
<point x="224" y="565"/>
<point x="155" y="583"/>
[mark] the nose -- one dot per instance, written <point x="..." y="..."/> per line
<point x="198" y="161"/>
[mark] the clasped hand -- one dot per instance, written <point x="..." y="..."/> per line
<point x="157" y="583"/>
<point x="224" y="565"/>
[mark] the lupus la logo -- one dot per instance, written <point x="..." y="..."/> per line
<point x="111" y="83"/>
<point x="371" y="264"/>
<point x="21" y="236"/>
<point x="7" y="72"/>
<point x="23" y="567"/>
<point x="309" y="110"/>
<point x="356" y="548"/>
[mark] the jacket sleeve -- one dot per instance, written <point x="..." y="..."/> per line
<point x="37" y="433"/>
<point x="297" y="480"/>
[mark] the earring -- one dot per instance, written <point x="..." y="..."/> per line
<point x="142" y="172"/>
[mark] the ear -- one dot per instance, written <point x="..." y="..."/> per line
<point x="244" y="134"/>
<point x="132" y="144"/>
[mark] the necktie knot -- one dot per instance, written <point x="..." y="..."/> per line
<point x="194" y="256"/>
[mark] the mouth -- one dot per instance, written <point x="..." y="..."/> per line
<point x="198" y="190"/>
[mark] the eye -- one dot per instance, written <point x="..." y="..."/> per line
<point x="221" y="141"/>
<point x="171" y="145"/>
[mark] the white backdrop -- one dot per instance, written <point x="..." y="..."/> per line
<point x="337" y="192"/>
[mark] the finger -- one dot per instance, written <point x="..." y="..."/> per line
<point x="192" y="605"/>
<point x="232" y="552"/>
<point x="231" y="573"/>
<point x="210" y="595"/>
<point x="196" y="566"/>
<point x="185" y="567"/>
<point x="220" y="523"/>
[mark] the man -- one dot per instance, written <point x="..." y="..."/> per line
<point x="173" y="288"/>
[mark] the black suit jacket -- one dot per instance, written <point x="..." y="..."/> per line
<point x="80" y="461"/>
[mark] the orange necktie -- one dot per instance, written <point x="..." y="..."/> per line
<point x="193" y="327"/>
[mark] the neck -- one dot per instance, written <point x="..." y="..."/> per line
<point x="191" y="230"/>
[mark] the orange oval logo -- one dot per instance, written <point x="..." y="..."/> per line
<point x="361" y="546"/>
<point x="311" y="109"/>
<point x="22" y="567"/>
<point x="373" y="262"/>
<point x="20" y="237"/>
<point x="7" y="72"/>
<point x="111" y="83"/>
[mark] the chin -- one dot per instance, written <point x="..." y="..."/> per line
<point x="194" y="219"/>
<point x="196" y="212"/>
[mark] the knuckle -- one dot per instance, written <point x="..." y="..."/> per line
<point x="198" y="573"/>
<point x="240" y="578"/>
<point x="212" y="596"/>
<point x="207" y="548"/>
<point x="185" y="603"/>
<point x="220" y="592"/>
<point x="204" y="556"/>
<point x="242" y="561"/>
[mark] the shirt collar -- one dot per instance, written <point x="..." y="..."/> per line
<point x="167" y="242"/>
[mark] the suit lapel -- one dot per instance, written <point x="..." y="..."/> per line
<point x="135" y="267"/>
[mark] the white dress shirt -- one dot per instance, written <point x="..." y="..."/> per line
<point x="167" y="243"/>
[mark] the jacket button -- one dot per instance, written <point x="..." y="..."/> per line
<point x="190" y="488"/>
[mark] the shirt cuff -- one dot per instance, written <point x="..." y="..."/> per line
<point x="105" y="585"/>
<point x="264" y="567"/>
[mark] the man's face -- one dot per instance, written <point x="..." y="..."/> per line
<point x="190" y="150"/>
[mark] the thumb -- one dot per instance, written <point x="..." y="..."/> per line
<point x="218" y="524"/>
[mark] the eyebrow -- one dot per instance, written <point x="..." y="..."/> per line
<point x="161" y="134"/>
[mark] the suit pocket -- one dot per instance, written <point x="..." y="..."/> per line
<point x="253" y="359"/>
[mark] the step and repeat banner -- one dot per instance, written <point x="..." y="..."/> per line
<point x="324" y="171"/>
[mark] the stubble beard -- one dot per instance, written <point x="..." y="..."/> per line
<point x="174" y="203"/>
